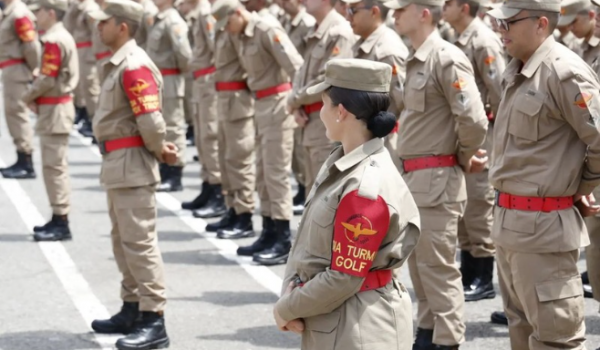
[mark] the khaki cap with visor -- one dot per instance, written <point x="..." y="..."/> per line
<point x="127" y="9"/>
<point x="511" y="8"/>
<point x="355" y="74"/>
<point x="221" y="10"/>
<point x="570" y="9"/>
<point x="60" y="5"/>
<point x="400" y="4"/>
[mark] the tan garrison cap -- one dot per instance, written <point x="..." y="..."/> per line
<point x="569" y="10"/>
<point x="221" y="10"/>
<point x="400" y="4"/>
<point x="355" y="74"/>
<point x="61" y="5"/>
<point x="123" y="8"/>
<point x="511" y="8"/>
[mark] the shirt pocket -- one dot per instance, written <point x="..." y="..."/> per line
<point x="154" y="40"/>
<point x="256" y="61"/>
<point x="108" y="99"/>
<point x="524" y="121"/>
<point x="321" y="231"/>
<point x="317" y="56"/>
<point x="414" y="93"/>
<point x="321" y="331"/>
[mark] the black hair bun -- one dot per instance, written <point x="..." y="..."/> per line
<point x="381" y="124"/>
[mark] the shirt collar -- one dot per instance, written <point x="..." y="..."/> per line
<point x="593" y="42"/>
<point x="249" y="30"/>
<point x="163" y="14"/>
<point x="327" y="22"/>
<point x="119" y="56"/>
<point x="466" y="35"/>
<point x="298" y="18"/>
<point x="427" y="47"/>
<point x="367" y="45"/>
<point x="55" y="27"/>
<point x="345" y="162"/>
<point x="538" y="57"/>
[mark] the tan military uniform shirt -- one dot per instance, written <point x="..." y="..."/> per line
<point x="546" y="144"/>
<point x="267" y="54"/>
<point x="18" y="40"/>
<point x="443" y="115"/>
<point x="590" y="50"/>
<point x="129" y="106"/>
<point x="569" y="40"/>
<point x="298" y="28"/>
<point x="101" y="51"/>
<point x="384" y="45"/>
<point x="150" y="11"/>
<point x="83" y="28"/>
<point x="204" y="37"/>
<point x="331" y="265"/>
<point x="446" y="31"/>
<point x="169" y="48"/>
<point x="485" y="52"/>
<point x="59" y="76"/>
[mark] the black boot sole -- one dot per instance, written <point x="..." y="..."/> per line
<point x="170" y="189"/>
<point x="245" y="234"/>
<point x="20" y="177"/>
<point x="499" y="320"/>
<point x="101" y="330"/>
<point x="491" y="294"/>
<point x="272" y="262"/>
<point x="53" y="239"/>
<point x="216" y="214"/>
<point x="157" y="344"/>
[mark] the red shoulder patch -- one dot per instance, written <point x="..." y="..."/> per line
<point x="25" y="29"/>
<point x="51" y="60"/>
<point x="142" y="90"/>
<point x="360" y="226"/>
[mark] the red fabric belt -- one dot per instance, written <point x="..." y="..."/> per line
<point x="545" y="204"/>
<point x="11" y="62"/>
<point x="83" y="44"/>
<point x="53" y="100"/>
<point x="313" y="107"/>
<point x="117" y="144"/>
<point x="490" y="116"/>
<point x="273" y="90"/>
<point x="429" y="162"/>
<point x="170" y="71"/>
<point x="231" y="85"/>
<point x="374" y="280"/>
<point x="102" y="55"/>
<point x="204" y="71"/>
<point x="396" y="128"/>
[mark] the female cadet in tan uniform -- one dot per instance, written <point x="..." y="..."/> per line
<point x="360" y="223"/>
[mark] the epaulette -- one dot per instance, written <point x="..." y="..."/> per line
<point x="370" y="181"/>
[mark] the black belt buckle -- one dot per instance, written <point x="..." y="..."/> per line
<point x="102" y="147"/>
<point x="497" y="197"/>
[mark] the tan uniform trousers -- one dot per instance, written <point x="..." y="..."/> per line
<point x="316" y="148"/>
<point x="299" y="158"/>
<point x="543" y="299"/>
<point x="189" y="105"/>
<point x="172" y="110"/>
<point x="592" y="253"/>
<point x="237" y="157"/>
<point x="135" y="246"/>
<point x="436" y="279"/>
<point x="55" y="170"/>
<point x="475" y="229"/>
<point x="89" y="85"/>
<point x="15" y="110"/>
<point x="275" y="142"/>
<point x="206" y="130"/>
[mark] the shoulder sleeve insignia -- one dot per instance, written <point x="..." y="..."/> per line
<point x="51" y="60"/>
<point x="489" y="60"/>
<point x="459" y="84"/>
<point x="361" y="224"/>
<point x="582" y="99"/>
<point x="335" y="51"/>
<point x="395" y="69"/>
<point x="142" y="91"/>
<point x="25" y="29"/>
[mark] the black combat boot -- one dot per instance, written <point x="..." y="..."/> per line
<point x="200" y="200"/>
<point x="424" y="340"/>
<point x="173" y="181"/>
<point x="482" y="286"/>
<point x="279" y="252"/>
<point x="162" y="170"/>
<point x="149" y="333"/>
<point x="215" y="205"/>
<point x="467" y="268"/>
<point x="22" y="169"/>
<point x="86" y="126"/>
<point x="123" y="322"/>
<point x="499" y="317"/>
<point x="446" y="347"/>
<point x="226" y="221"/>
<point x="298" y="200"/>
<point x="242" y="228"/>
<point x="79" y="115"/>
<point x="266" y="240"/>
<point x="56" y="230"/>
<point x="189" y="136"/>
<point x="587" y="287"/>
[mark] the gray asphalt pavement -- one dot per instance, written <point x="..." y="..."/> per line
<point x="50" y="292"/>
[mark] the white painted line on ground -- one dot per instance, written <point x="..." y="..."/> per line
<point x="227" y="248"/>
<point x="86" y="302"/>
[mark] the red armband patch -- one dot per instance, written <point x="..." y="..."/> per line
<point x="142" y="90"/>
<point x="51" y="60"/>
<point x="25" y="29"/>
<point x="360" y="226"/>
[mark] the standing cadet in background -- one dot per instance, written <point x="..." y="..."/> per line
<point x="50" y="97"/>
<point x="379" y="43"/>
<point x="441" y="100"/>
<point x="19" y="59"/>
<point x="169" y="47"/>
<point x="580" y="18"/>
<point x="259" y="6"/>
<point x="205" y="120"/>
<point x="331" y="37"/>
<point x="131" y="133"/>
<point x="484" y="49"/>
<point x="189" y="106"/>
<point x="150" y="11"/>
<point x="271" y="61"/>
<point x="546" y="163"/>
<point x="340" y="7"/>
<point x="101" y="51"/>
<point x="237" y="139"/>
<point x="299" y="25"/>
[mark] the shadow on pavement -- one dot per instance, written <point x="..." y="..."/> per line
<point x="195" y="257"/>
<point x="235" y="299"/>
<point x="177" y="236"/>
<point x="47" y="340"/>
<point x="265" y="336"/>
<point x="15" y="237"/>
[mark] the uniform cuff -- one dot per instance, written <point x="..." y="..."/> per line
<point x="283" y="309"/>
<point x="586" y="187"/>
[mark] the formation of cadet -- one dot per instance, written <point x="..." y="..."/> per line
<point x="506" y="172"/>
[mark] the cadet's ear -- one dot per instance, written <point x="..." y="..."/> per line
<point x="342" y="112"/>
<point x="543" y="23"/>
<point x="592" y="14"/>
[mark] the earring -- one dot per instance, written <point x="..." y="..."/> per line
<point x="337" y="120"/>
